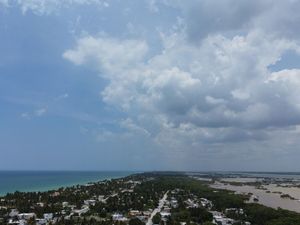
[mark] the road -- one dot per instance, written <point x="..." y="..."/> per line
<point x="158" y="209"/>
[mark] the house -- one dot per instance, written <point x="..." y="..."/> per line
<point x="165" y="214"/>
<point x="48" y="216"/>
<point x="234" y="210"/>
<point x="26" y="216"/>
<point x="167" y="209"/>
<point x="147" y="213"/>
<point x="55" y="194"/>
<point x="40" y="204"/>
<point x="41" y="221"/>
<point x="118" y="217"/>
<point x="127" y="190"/>
<point x="17" y="222"/>
<point x="174" y="203"/>
<point x="206" y="203"/>
<point x="143" y="218"/>
<point x="82" y="210"/>
<point x="220" y="220"/>
<point x="134" y="212"/>
<point x="90" y="202"/>
<point x="191" y="204"/>
<point x="13" y="213"/>
<point x="101" y="198"/>
<point x="65" y="204"/>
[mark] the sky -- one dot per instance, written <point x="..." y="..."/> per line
<point x="150" y="85"/>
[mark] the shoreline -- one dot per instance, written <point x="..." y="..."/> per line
<point x="55" y="179"/>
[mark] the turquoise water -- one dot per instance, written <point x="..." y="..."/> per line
<point x="11" y="181"/>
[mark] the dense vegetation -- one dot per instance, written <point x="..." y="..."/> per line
<point x="145" y="196"/>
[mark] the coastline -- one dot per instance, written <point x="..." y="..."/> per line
<point x="41" y="181"/>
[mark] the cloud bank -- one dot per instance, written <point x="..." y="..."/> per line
<point x="211" y="83"/>
<point x="188" y="81"/>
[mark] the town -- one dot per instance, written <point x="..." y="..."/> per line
<point x="140" y="199"/>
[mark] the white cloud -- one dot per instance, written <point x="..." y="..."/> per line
<point x="214" y="101"/>
<point x="240" y="94"/>
<point x="208" y="85"/>
<point x="45" y="7"/>
<point x="130" y="126"/>
<point x="291" y="76"/>
<point x="62" y="96"/>
<point x="40" y="112"/>
<point x="102" y="52"/>
<point x="210" y="17"/>
<point x="25" y="115"/>
<point x="218" y="90"/>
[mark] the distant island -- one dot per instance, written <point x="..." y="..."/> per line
<point x="168" y="198"/>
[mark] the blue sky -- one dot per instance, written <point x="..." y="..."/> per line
<point x="149" y="85"/>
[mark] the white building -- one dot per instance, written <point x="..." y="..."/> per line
<point x="65" y="204"/>
<point x="14" y="212"/>
<point x="118" y="217"/>
<point x="16" y="222"/>
<point x="26" y="216"/>
<point x="165" y="214"/>
<point x="134" y="212"/>
<point x="206" y="203"/>
<point x="101" y="198"/>
<point x="220" y="220"/>
<point x="82" y="211"/>
<point x="48" y="216"/>
<point x="90" y="202"/>
<point x="41" y="221"/>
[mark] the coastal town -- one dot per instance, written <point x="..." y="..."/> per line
<point x="141" y="199"/>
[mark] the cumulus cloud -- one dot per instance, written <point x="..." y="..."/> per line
<point x="191" y="84"/>
<point x="209" y="17"/>
<point x="216" y="90"/>
<point x="105" y="50"/>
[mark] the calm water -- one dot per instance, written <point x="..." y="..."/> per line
<point x="268" y="199"/>
<point x="11" y="181"/>
<point x="279" y="175"/>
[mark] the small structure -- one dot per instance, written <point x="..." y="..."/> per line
<point x="165" y="214"/>
<point x="90" y="202"/>
<point x="118" y="217"/>
<point x="16" y="222"/>
<point x="82" y="210"/>
<point x="65" y="204"/>
<point x="48" y="216"/>
<point x="134" y="213"/>
<point x="41" y="221"/>
<point x="13" y="213"/>
<point x="26" y="216"/>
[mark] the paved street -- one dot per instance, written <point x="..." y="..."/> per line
<point x="158" y="209"/>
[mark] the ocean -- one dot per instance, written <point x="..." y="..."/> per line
<point x="25" y="181"/>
